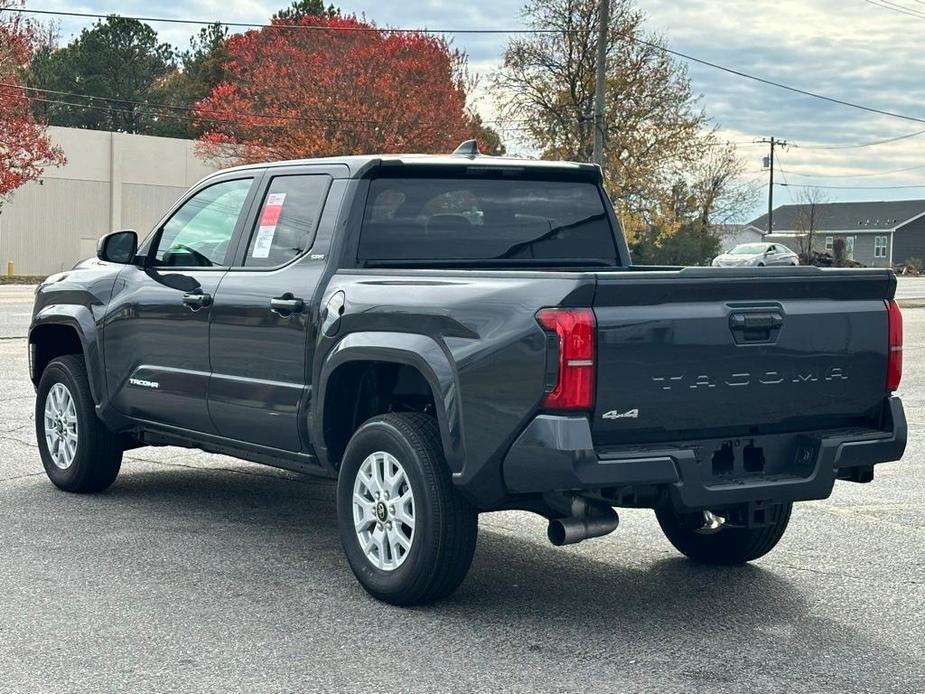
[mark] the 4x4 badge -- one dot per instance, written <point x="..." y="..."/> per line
<point x="629" y="414"/>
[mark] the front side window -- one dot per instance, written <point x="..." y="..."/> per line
<point x="287" y="220"/>
<point x="199" y="233"/>
<point x="496" y="221"/>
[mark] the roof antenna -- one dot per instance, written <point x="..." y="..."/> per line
<point x="469" y="148"/>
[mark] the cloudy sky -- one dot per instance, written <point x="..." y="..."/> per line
<point x="847" y="49"/>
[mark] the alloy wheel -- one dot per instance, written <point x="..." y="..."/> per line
<point x="383" y="511"/>
<point x="61" y="426"/>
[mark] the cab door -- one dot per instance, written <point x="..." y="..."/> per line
<point x="156" y="331"/>
<point x="263" y="310"/>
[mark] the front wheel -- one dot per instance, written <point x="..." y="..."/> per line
<point x="78" y="452"/>
<point x="727" y="545"/>
<point x="408" y="534"/>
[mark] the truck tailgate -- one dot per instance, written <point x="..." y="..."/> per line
<point x="706" y="352"/>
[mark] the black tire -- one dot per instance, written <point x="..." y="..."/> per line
<point x="729" y="545"/>
<point x="98" y="455"/>
<point x="760" y="264"/>
<point x="445" y="524"/>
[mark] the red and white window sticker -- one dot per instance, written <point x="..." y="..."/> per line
<point x="267" y="227"/>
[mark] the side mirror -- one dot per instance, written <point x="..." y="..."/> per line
<point x="118" y="247"/>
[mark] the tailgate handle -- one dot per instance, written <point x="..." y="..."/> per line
<point x="756" y="326"/>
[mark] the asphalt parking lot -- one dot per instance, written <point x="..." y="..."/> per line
<point x="202" y="573"/>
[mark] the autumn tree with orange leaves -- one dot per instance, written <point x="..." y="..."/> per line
<point x="24" y="147"/>
<point x="332" y="85"/>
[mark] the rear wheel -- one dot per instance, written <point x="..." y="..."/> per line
<point x="408" y="534"/>
<point x="727" y="545"/>
<point x="78" y="452"/>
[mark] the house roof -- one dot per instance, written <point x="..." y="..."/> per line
<point x="845" y="216"/>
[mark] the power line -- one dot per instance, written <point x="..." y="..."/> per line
<point x="153" y="113"/>
<point x="124" y="110"/>
<point x="182" y="111"/>
<point x="861" y="175"/>
<point x="886" y="5"/>
<point x="780" y="85"/>
<point x="650" y="44"/>
<point x="806" y="185"/>
<point x="502" y="123"/>
<point x="309" y="27"/>
<point x="863" y="144"/>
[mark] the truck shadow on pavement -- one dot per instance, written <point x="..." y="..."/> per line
<point x="710" y="626"/>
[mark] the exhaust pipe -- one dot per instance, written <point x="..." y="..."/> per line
<point x="599" y="520"/>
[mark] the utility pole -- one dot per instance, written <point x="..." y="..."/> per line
<point x="602" y="36"/>
<point x="774" y="142"/>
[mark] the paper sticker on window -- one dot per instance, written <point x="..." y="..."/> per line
<point x="268" y="221"/>
<point x="263" y="242"/>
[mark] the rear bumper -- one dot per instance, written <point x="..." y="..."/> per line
<point x="556" y="453"/>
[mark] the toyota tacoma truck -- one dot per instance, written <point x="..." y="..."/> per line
<point x="449" y="335"/>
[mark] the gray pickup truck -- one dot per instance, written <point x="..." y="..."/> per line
<point x="447" y="335"/>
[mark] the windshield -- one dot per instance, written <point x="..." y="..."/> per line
<point x="749" y="249"/>
<point x="488" y="222"/>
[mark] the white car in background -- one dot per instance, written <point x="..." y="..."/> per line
<point x="757" y="255"/>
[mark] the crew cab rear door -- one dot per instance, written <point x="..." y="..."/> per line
<point x="265" y="307"/>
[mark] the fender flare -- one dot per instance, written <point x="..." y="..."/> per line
<point x="418" y="351"/>
<point x="81" y="320"/>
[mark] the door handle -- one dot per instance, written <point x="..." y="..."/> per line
<point x="286" y="304"/>
<point x="197" y="301"/>
<point x="756" y="326"/>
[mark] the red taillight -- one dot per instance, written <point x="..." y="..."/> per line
<point x="576" y="329"/>
<point x="894" y="364"/>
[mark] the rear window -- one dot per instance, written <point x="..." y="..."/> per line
<point x="497" y="222"/>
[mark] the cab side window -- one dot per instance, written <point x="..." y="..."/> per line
<point x="287" y="219"/>
<point x="200" y="232"/>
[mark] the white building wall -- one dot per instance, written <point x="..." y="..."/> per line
<point x="111" y="181"/>
<point x="747" y="234"/>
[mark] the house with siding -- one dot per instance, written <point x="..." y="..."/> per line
<point x="876" y="234"/>
<point x="731" y="235"/>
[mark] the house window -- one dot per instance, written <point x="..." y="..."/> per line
<point x="880" y="243"/>
<point x="829" y="243"/>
